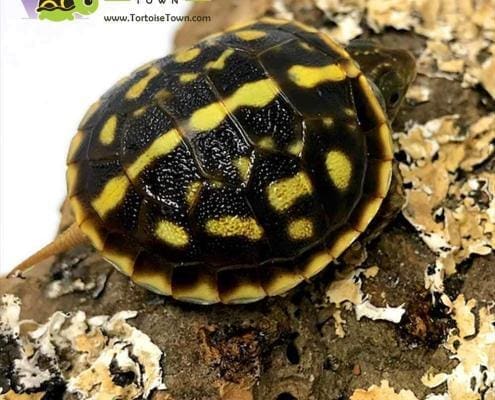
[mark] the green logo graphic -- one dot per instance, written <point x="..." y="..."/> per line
<point x="62" y="10"/>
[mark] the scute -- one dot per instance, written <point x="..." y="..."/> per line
<point x="235" y="169"/>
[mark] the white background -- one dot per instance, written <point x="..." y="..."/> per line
<point x="50" y="73"/>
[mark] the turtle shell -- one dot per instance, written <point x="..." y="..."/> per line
<point x="235" y="169"/>
<point x="50" y="5"/>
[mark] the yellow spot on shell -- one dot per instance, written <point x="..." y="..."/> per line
<point x="139" y="112"/>
<point x="220" y="62"/>
<point x="339" y="168"/>
<point x="266" y="143"/>
<point x="189" y="77"/>
<point x="160" y="147"/>
<point x="284" y="193"/>
<point x="115" y="189"/>
<point x="187" y="55"/>
<point x="310" y="77"/>
<point x="74" y="146"/>
<point x="162" y="95"/>
<point x="112" y="194"/>
<point x="138" y="88"/>
<point x="193" y="192"/>
<point x="253" y="94"/>
<point x="243" y="165"/>
<point x="172" y="234"/>
<point x="328" y="122"/>
<point x="250" y="34"/>
<point x="235" y="226"/>
<point x="107" y="133"/>
<point x="301" y="229"/>
<point x="296" y="148"/>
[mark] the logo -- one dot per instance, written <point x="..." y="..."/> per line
<point x="59" y="10"/>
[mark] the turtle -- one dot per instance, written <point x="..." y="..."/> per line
<point x="239" y="167"/>
<point x="60" y="10"/>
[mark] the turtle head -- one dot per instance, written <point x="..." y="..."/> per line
<point x="391" y="70"/>
<point x="85" y="7"/>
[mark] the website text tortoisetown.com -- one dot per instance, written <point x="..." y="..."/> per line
<point x="131" y="17"/>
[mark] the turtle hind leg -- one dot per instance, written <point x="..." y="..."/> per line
<point x="66" y="240"/>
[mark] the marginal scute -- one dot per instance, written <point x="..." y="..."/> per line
<point x="380" y="176"/>
<point x="334" y="46"/>
<point x="234" y="225"/>
<point x="310" y="77"/>
<point x="195" y="286"/>
<point x="149" y="274"/>
<point x="72" y="170"/>
<point x="365" y="212"/>
<point x="79" y="210"/>
<point x="120" y="260"/>
<point x="339" y="168"/>
<point x="316" y="263"/>
<point x="372" y="100"/>
<point x="284" y="193"/>
<point x="343" y="239"/>
<point x="75" y="144"/>
<point x="281" y="280"/>
<point x="94" y="232"/>
<point x="89" y="113"/>
<point x="240" y="286"/>
<point x="385" y="136"/>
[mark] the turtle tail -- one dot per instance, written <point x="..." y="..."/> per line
<point x="68" y="239"/>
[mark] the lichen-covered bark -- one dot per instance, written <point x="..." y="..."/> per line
<point x="286" y="347"/>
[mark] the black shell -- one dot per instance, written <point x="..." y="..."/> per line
<point x="234" y="169"/>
